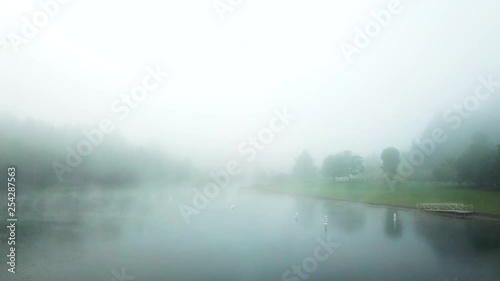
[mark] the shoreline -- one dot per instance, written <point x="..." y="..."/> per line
<point x="474" y="216"/>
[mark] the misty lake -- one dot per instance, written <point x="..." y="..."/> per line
<point x="259" y="239"/>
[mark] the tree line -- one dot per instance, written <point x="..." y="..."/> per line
<point x="343" y="164"/>
<point x="477" y="166"/>
<point x="34" y="146"/>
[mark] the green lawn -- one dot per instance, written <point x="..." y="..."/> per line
<point x="406" y="195"/>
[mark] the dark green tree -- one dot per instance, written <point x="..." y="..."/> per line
<point x="497" y="184"/>
<point x="447" y="171"/>
<point x="342" y="165"/>
<point x="478" y="164"/>
<point x="390" y="161"/>
<point x="304" y="168"/>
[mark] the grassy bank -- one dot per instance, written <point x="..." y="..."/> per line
<point x="407" y="195"/>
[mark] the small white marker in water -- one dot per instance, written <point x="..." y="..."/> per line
<point x="326" y="223"/>
<point x="232" y="207"/>
<point x="297" y="216"/>
<point x="395" y="217"/>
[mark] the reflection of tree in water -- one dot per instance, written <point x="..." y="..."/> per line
<point x="347" y="217"/>
<point x="470" y="248"/>
<point x="459" y="237"/>
<point x="393" y="229"/>
<point x="484" y="237"/>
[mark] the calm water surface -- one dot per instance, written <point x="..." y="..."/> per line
<point x="258" y="240"/>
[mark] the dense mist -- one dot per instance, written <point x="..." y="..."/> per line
<point x="249" y="140"/>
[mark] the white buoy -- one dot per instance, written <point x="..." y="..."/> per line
<point x="395" y="217"/>
<point x="232" y="207"/>
<point x="326" y="223"/>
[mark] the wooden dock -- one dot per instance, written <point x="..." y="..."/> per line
<point x="458" y="208"/>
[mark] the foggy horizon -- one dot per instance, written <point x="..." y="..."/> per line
<point x="218" y="91"/>
<point x="238" y="140"/>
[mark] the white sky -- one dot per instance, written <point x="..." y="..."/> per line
<point x="226" y="76"/>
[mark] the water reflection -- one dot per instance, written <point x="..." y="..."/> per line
<point x="466" y="248"/>
<point x="306" y="207"/>
<point x="393" y="225"/>
<point x="260" y="239"/>
<point x="346" y="217"/>
<point x="459" y="236"/>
